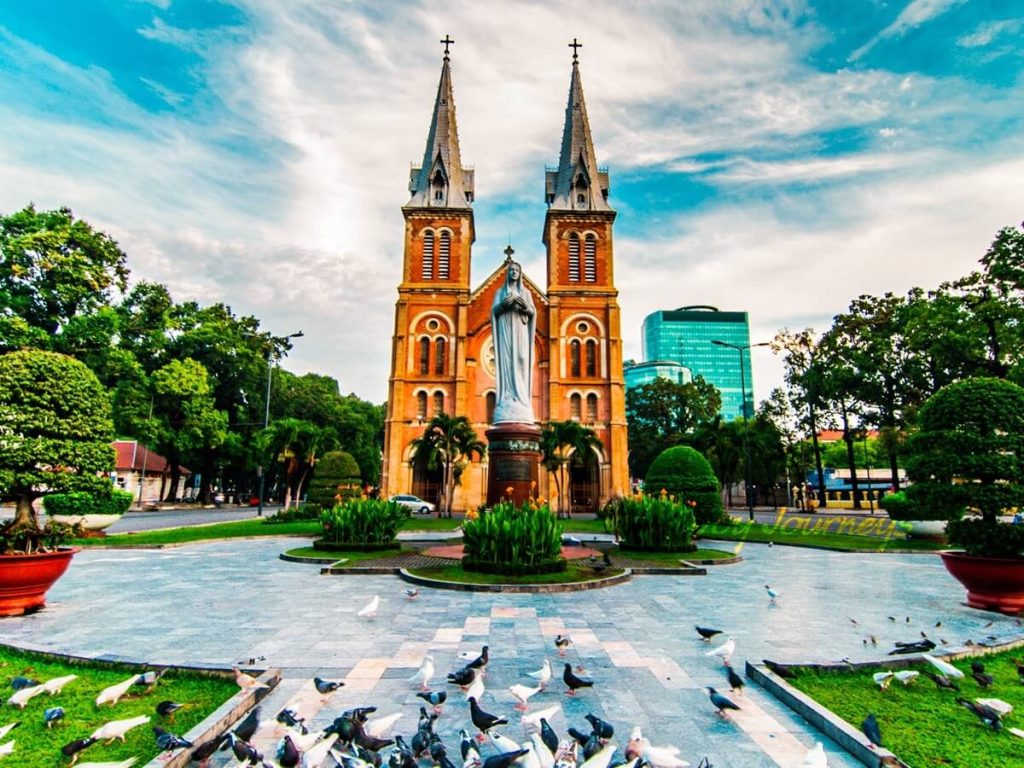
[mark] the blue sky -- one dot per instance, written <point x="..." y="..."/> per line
<point x="778" y="156"/>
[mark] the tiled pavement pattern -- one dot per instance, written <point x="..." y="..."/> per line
<point x="222" y="602"/>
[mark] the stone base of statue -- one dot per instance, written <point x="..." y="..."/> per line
<point x="513" y="462"/>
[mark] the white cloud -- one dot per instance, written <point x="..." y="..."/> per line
<point x="988" y="31"/>
<point x="916" y="13"/>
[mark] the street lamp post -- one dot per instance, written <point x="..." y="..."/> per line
<point x="266" y="416"/>
<point x="740" y="349"/>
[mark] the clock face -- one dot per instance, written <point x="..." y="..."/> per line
<point x="489" y="357"/>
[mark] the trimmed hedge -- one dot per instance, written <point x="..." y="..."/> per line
<point x="302" y="513"/>
<point x="683" y="473"/>
<point x="651" y="524"/>
<point x="336" y="477"/>
<point x="78" y="503"/>
<point x="513" y="540"/>
<point x="362" y="521"/>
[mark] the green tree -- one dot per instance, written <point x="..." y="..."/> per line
<point x="662" y="413"/>
<point x="448" y="442"/>
<point x="55" y="430"/>
<point x="682" y="473"/>
<point x="335" y="474"/>
<point x="560" y="443"/>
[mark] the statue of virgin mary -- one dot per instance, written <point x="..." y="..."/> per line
<point x="513" y="323"/>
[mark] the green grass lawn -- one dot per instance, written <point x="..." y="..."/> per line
<point x="923" y="725"/>
<point x="674" y="557"/>
<point x="350" y="557"/>
<point x="572" y="574"/>
<point x="37" y="746"/>
<point x="761" y="532"/>
<point x="575" y="525"/>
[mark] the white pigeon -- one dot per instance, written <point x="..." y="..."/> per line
<point x="316" y="754"/>
<point x="56" y="685"/>
<point x="600" y="759"/>
<point x="303" y="741"/>
<point x="943" y="666"/>
<point x="532" y="720"/>
<point x="126" y="763"/>
<point x="247" y="682"/>
<point x="368" y="611"/>
<point x="530" y="759"/>
<point x="116" y="729"/>
<point x="815" y="757"/>
<point x="424" y="673"/>
<point x="1000" y="707"/>
<point x="379" y="726"/>
<point x="544" y="756"/>
<point x="6" y="749"/>
<point x="906" y="676"/>
<point x="1016" y="732"/>
<point x="113" y="693"/>
<point x="543" y="674"/>
<point x="725" y="650"/>
<point x="8" y="728"/>
<point x="522" y="694"/>
<point x="661" y="757"/>
<point x="882" y="679"/>
<point x="476" y="688"/>
<point x="24" y="696"/>
<point x="502" y="743"/>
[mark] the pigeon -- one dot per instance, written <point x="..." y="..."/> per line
<point x="372" y="743"/>
<point x="505" y="759"/>
<point x="23" y="696"/>
<point x="602" y="758"/>
<point x="326" y="686"/>
<point x="368" y="611"/>
<point x="476" y="688"/>
<point x="56" y="685"/>
<point x="601" y="728"/>
<point x="502" y="743"/>
<point x="246" y="729"/>
<point x="52" y="714"/>
<point x="318" y="752"/>
<point x="532" y="720"/>
<point x="941" y="681"/>
<point x="8" y="728"/>
<point x="379" y="726"/>
<point x="20" y="681"/>
<point x="359" y="714"/>
<point x="412" y="593"/>
<point x="204" y="751"/>
<point x="706" y="633"/>
<point x="424" y="673"/>
<point x="735" y="681"/>
<point x="479" y="661"/>
<point x="112" y="694"/>
<point x="168" y="708"/>
<point x="815" y="757"/>
<point x="116" y="729"/>
<point x="998" y="706"/>
<point x="522" y="694"/>
<point x="721" y="702"/>
<point x="542" y="675"/>
<point x="574" y="682"/>
<point x="467" y="746"/>
<point x="483" y="721"/>
<point x="562" y="643"/>
<point x="871" y="730"/>
<point x="640" y="751"/>
<point x="548" y="736"/>
<point x="978" y="673"/>
<point x="772" y="594"/>
<point x="73" y="748"/>
<point x="918" y="646"/>
<point x="882" y="679"/>
<point x="944" y="667"/>
<point x="7" y="749"/>
<point x="287" y="753"/>
<point x="784" y="672"/>
<point x="290" y="718"/>
<point x="987" y="715"/>
<point x="247" y="682"/>
<point x="244" y="751"/>
<point x="462" y="677"/>
<point x="906" y="676"/>
<point x="168" y="742"/>
<point x="725" y="650"/>
<point x="545" y="757"/>
<point x="434" y="698"/>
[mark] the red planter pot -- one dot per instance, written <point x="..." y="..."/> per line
<point x="993" y="583"/>
<point x="24" y="579"/>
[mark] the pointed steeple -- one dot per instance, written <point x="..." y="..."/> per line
<point x="578" y="183"/>
<point x="440" y="181"/>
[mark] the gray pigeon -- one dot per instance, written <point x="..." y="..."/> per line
<point x="721" y="702"/>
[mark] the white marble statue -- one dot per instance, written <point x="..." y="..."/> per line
<point x="513" y="322"/>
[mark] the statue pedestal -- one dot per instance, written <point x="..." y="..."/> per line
<point x="513" y="458"/>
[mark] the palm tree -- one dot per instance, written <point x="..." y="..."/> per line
<point x="296" y="443"/>
<point x="312" y="441"/>
<point x="559" y="442"/>
<point x="448" y="442"/>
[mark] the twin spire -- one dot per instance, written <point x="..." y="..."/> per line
<point x="440" y="181"/>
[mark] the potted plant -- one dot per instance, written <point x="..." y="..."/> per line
<point x="55" y="433"/>
<point x="918" y="522"/>
<point x="90" y="511"/>
<point x="967" y="465"/>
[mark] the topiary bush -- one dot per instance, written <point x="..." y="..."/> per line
<point x="655" y="524"/>
<point x="79" y="503"/>
<point x="336" y="477"/>
<point x="513" y="540"/>
<point x="362" y="522"/>
<point x="685" y="475"/>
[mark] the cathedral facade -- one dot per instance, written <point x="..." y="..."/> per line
<point x="442" y="356"/>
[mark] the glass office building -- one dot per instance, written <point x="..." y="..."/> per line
<point x="638" y="374"/>
<point x="684" y="336"/>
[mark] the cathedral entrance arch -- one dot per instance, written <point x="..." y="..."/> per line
<point x="585" y="481"/>
<point x="426" y="482"/>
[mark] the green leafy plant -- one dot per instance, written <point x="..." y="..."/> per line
<point x="362" y="521"/>
<point x="685" y="475"/>
<point x="652" y="523"/>
<point x="513" y="540"/>
<point x="308" y="511"/>
<point x="25" y="539"/>
<point x="79" y="503"/>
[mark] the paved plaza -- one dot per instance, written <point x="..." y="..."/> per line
<point x="223" y="602"/>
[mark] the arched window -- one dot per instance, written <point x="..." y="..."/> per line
<point x="574" y="258"/>
<point x="591" y="357"/>
<point x="421" y="406"/>
<point x="424" y="356"/>
<point x="591" y="408"/>
<point x="491" y="402"/>
<point x="575" y="406"/>
<point x="428" y="255"/>
<point x="574" y="357"/>
<point x="438" y="403"/>
<point x="444" y="256"/>
<point x="590" y="259"/>
<point x="439" y="356"/>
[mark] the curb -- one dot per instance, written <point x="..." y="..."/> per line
<point x="580" y="586"/>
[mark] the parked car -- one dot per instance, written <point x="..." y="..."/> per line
<point x="415" y="503"/>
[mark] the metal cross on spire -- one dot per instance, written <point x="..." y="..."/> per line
<point x="509" y="251"/>
<point x="446" y="42"/>
<point x="575" y="49"/>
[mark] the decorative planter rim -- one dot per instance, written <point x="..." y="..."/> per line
<point x="959" y="554"/>
<point x="6" y="558"/>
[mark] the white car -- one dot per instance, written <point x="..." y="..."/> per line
<point x="415" y="503"/>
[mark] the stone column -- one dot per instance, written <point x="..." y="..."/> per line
<point x="513" y="456"/>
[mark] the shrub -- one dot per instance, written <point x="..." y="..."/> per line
<point x="335" y="474"/>
<point x="513" y="540"/>
<point x="986" y="540"/>
<point x="362" y="521"/>
<point x="651" y="523"/>
<point x="79" y="503"/>
<point x="684" y="474"/>
<point x="305" y="512"/>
